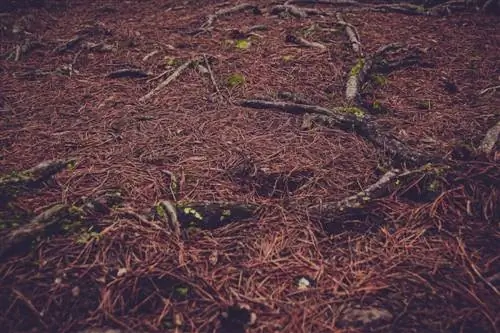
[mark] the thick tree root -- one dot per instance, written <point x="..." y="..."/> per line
<point x="372" y="192"/>
<point x="212" y="215"/>
<point x="16" y="183"/>
<point x="347" y="118"/>
<point x="50" y="219"/>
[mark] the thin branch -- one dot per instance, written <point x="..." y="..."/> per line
<point x="168" y="80"/>
<point x="210" y="72"/>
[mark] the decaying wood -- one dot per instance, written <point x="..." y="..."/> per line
<point x="17" y="182"/>
<point x="352" y="34"/>
<point x="97" y="47"/>
<point x="490" y="139"/>
<point x="168" y="80"/>
<point x="364" y="67"/>
<point x="303" y="42"/>
<point x="25" y="48"/>
<point x="150" y="54"/>
<point x="48" y="220"/>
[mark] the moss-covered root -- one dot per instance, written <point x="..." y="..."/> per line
<point x="50" y="220"/>
<point x="17" y="182"/>
<point x="212" y="215"/>
<point x="357" y="77"/>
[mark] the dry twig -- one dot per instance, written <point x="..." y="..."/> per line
<point x="167" y="81"/>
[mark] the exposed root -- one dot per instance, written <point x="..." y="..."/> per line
<point x="208" y="25"/>
<point x="352" y="34"/>
<point x="49" y="219"/>
<point x="374" y="191"/>
<point x="326" y="2"/>
<point x="69" y="44"/>
<point x="303" y="42"/>
<point x="127" y="73"/>
<point x="212" y="215"/>
<point x="347" y="118"/>
<point x="169" y="215"/>
<point x="294" y="10"/>
<point x="17" y="182"/>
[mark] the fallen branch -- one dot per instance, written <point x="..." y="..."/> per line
<point x="168" y="80"/>
<point x="364" y="67"/>
<point x="212" y="77"/>
<point x="25" y="48"/>
<point x="17" y="182"/>
<point x="487" y="90"/>
<point x="490" y="139"/>
<point x="303" y="42"/>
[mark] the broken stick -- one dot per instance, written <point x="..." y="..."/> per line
<point x="168" y="80"/>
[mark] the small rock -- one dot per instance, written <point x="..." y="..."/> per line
<point x="75" y="292"/>
<point x="357" y="317"/>
<point x="121" y="272"/>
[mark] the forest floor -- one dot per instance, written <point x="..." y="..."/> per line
<point x="417" y="251"/>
